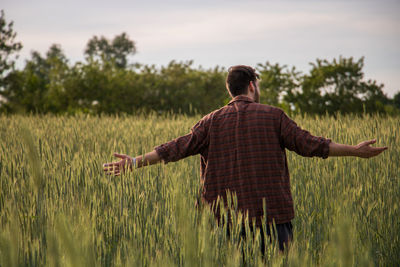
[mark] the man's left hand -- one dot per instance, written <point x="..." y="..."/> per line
<point x="119" y="166"/>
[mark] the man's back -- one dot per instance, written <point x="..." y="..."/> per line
<point x="242" y="147"/>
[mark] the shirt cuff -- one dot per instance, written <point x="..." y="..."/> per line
<point x="325" y="149"/>
<point x="162" y="153"/>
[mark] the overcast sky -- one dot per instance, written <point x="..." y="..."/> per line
<point x="221" y="32"/>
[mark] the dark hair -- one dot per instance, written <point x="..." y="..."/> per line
<point x="239" y="78"/>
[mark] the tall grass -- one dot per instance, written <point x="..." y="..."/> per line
<point x="57" y="208"/>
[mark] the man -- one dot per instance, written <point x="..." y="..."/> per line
<point x="242" y="148"/>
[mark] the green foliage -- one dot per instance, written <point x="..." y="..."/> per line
<point x="39" y="87"/>
<point x="8" y="47"/>
<point x="116" y="50"/>
<point x="57" y="208"/>
<point x="49" y="85"/>
<point x="275" y="80"/>
<point x="179" y="87"/>
<point x="396" y="100"/>
<point x="337" y="86"/>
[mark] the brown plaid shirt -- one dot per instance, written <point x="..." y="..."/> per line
<point x="242" y="148"/>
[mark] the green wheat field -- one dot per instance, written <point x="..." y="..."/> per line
<point x="58" y="208"/>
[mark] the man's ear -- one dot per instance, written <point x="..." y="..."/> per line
<point x="251" y="87"/>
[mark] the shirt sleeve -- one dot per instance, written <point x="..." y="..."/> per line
<point x="301" y="141"/>
<point x="186" y="145"/>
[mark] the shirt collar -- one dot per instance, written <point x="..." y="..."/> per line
<point x="241" y="98"/>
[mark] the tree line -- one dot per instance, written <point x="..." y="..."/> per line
<point x="107" y="83"/>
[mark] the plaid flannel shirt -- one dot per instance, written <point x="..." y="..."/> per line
<point x="242" y="148"/>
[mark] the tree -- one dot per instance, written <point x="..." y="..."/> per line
<point x="275" y="81"/>
<point x="338" y="86"/>
<point x="396" y="100"/>
<point x="39" y="87"/>
<point x="8" y="47"/>
<point x="181" y="88"/>
<point x="116" y="50"/>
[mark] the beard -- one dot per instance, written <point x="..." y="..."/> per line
<point x="257" y="95"/>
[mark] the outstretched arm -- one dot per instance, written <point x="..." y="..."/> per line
<point x="179" y="148"/>
<point x="128" y="162"/>
<point x="303" y="143"/>
<point x="362" y="150"/>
